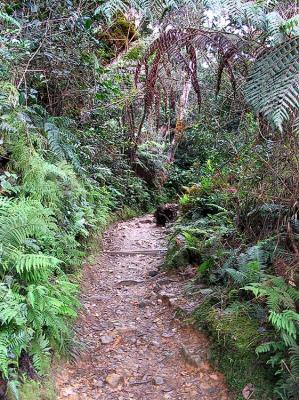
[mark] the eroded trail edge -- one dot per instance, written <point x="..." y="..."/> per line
<point x="134" y="347"/>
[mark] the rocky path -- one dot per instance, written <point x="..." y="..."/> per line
<point x="134" y="348"/>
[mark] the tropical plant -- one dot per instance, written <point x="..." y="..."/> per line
<point x="36" y="298"/>
<point x="281" y="301"/>
<point x="44" y="211"/>
<point x="273" y="84"/>
<point x="180" y="45"/>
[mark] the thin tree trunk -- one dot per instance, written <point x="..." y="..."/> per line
<point x="180" y="120"/>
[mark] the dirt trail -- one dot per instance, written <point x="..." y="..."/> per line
<point x="135" y="348"/>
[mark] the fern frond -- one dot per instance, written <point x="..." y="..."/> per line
<point x="61" y="140"/>
<point x="54" y="139"/>
<point x="294" y="361"/>
<point x="4" y="360"/>
<point x="19" y="341"/>
<point x="39" y="350"/>
<point x="272" y="24"/>
<point x="8" y="19"/>
<point x="9" y="96"/>
<point x="112" y="7"/>
<point x="291" y="26"/>
<point x="12" y="307"/>
<point x="34" y="264"/>
<point x="273" y="84"/>
<point x="13" y="389"/>
<point x="269" y="346"/>
<point x="148" y="9"/>
<point x="285" y="322"/>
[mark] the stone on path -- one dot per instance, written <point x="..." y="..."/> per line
<point x="106" y="339"/>
<point x="114" y="380"/>
<point x="158" y="381"/>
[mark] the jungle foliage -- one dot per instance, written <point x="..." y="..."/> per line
<point x="110" y="108"/>
<point x="63" y="175"/>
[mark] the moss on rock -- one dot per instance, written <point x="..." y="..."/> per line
<point x="234" y="337"/>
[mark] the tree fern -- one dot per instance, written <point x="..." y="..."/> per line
<point x="273" y="84"/>
<point x="260" y="15"/>
<point x="149" y="9"/>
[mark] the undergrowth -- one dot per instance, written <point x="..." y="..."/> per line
<point x="98" y="121"/>
<point x="250" y="313"/>
<point x="49" y="212"/>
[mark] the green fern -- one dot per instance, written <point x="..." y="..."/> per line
<point x="273" y="87"/>
<point x="246" y="273"/>
<point x="285" y="322"/>
<point x="9" y="96"/>
<point x="291" y="26"/>
<point x="62" y="141"/>
<point x="38" y="227"/>
<point x="288" y="385"/>
<point x="54" y="140"/>
<point x="249" y="266"/>
<point x="9" y="20"/>
<point x="294" y="361"/>
<point x="281" y="300"/>
<point x="270" y="346"/>
<point x="40" y="349"/>
<point x="149" y="9"/>
<point x="34" y="305"/>
<point x="31" y="321"/>
<point x="13" y="389"/>
<point x="278" y="294"/>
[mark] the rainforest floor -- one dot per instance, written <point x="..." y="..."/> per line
<point x="133" y="345"/>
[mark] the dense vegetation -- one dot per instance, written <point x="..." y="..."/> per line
<point x="109" y="108"/>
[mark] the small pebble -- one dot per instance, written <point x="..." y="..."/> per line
<point x="106" y="339"/>
<point x="158" y="381"/>
<point x="153" y="273"/>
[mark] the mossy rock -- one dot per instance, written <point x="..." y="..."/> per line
<point x="181" y="256"/>
<point x="176" y="257"/>
<point x="36" y="390"/>
<point x="234" y="337"/>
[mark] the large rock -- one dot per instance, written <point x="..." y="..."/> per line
<point x="166" y="213"/>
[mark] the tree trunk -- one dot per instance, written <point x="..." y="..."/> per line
<point x="180" y="120"/>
